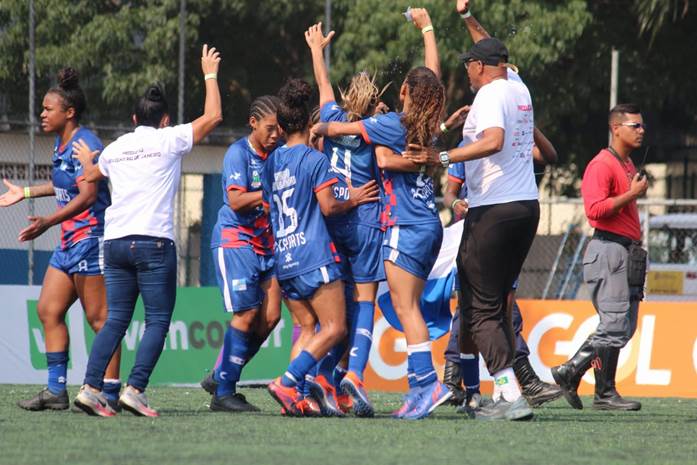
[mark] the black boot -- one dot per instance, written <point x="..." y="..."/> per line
<point x="534" y="389"/>
<point x="452" y="378"/>
<point x="605" y="369"/>
<point x="568" y="375"/>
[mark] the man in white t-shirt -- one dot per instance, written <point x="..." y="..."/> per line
<point x="502" y="219"/>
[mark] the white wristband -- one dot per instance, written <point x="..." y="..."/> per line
<point x="466" y="14"/>
<point x="443" y="128"/>
<point x="210" y="76"/>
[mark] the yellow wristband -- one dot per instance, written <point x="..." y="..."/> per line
<point x="210" y="76"/>
<point x="426" y="29"/>
<point x="27" y="192"/>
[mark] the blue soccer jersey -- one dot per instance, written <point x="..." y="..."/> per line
<point x="292" y="176"/>
<point x="456" y="174"/>
<point x="407" y="198"/>
<point x="242" y="170"/>
<point x="67" y="172"/>
<point x="353" y="160"/>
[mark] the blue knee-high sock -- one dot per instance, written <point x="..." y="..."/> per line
<point x="328" y="363"/>
<point x="298" y="368"/>
<point x="57" y="371"/>
<point x="469" y="366"/>
<point x="111" y="389"/>
<point x="235" y="350"/>
<point x="362" y="338"/>
<point x="423" y="364"/>
<point x="411" y="376"/>
<point x="338" y="375"/>
<point x="255" y="343"/>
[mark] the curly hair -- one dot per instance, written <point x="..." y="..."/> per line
<point x="427" y="96"/>
<point x="362" y="96"/>
<point x="70" y="92"/>
<point x="294" y="110"/>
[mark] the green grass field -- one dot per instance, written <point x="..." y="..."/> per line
<point x="663" y="432"/>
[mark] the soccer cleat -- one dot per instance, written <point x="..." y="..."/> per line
<point x="46" y="400"/>
<point x="93" y="403"/>
<point x="430" y="397"/>
<point x="518" y="410"/>
<point x="136" y="403"/>
<point x="308" y="407"/>
<point x="232" y="403"/>
<point x="287" y="397"/>
<point x="344" y="402"/>
<point x="354" y="387"/>
<point x="324" y="393"/>
<point x="409" y="400"/>
<point x="209" y="384"/>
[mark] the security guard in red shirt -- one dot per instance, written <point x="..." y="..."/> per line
<point x="614" y="264"/>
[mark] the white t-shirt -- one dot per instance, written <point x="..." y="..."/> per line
<point x="144" y="168"/>
<point x="506" y="176"/>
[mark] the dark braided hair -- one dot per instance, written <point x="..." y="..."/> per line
<point x="151" y="107"/>
<point x="69" y="90"/>
<point x="294" y="111"/>
<point x="264" y="106"/>
<point x="427" y="99"/>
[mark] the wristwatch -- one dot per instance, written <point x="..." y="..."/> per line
<point x="444" y="158"/>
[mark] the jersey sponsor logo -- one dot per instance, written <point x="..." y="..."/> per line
<point x="424" y="190"/>
<point x="282" y="180"/>
<point x="62" y="195"/>
<point x="290" y="242"/>
<point x="525" y="107"/>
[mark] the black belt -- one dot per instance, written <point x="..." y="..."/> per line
<point x="612" y="237"/>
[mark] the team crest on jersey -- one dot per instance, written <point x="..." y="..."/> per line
<point x="256" y="179"/>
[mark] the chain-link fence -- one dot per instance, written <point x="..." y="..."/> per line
<point x="553" y="269"/>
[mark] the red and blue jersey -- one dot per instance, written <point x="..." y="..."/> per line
<point x="456" y="174"/>
<point x="67" y="172"/>
<point x="292" y="176"/>
<point x="353" y="160"/>
<point x="242" y="170"/>
<point x="407" y="198"/>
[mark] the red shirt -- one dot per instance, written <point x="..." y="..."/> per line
<point x="607" y="177"/>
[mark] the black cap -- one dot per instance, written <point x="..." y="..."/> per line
<point x="489" y="51"/>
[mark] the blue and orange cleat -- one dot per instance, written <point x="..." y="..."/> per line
<point x="352" y="385"/>
<point x="287" y="397"/>
<point x="409" y="400"/>
<point x="309" y="407"/>
<point x="430" y="397"/>
<point x="344" y="402"/>
<point x="324" y="393"/>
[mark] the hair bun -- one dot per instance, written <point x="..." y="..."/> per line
<point x="155" y="93"/>
<point x="68" y="79"/>
<point x="296" y="93"/>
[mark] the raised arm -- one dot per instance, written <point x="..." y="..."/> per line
<point x="16" y="194"/>
<point x="423" y="22"/>
<point x="212" y="109"/>
<point x="476" y="30"/>
<point x="317" y="41"/>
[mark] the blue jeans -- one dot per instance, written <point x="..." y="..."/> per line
<point x="135" y="265"/>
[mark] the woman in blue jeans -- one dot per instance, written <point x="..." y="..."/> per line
<point x="144" y="168"/>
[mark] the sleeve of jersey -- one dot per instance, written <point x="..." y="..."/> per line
<point x="490" y="111"/>
<point x="103" y="162"/>
<point x="595" y="190"/>
<point x="180" y="139"/>
<point x="322" y="174"/>
<point x="235" y="170"/>
<point x="265" y="187"/>
<point x="456" y="173"/>
<point x="95" y="145"/>
<point x="331" y="111"/>
<point x="380" y="130"/>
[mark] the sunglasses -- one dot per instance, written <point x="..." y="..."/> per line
<point x="634" y="125"/>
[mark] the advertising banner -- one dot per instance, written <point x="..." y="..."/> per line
<point x="659" y="361"/>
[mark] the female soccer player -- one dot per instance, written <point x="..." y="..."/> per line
<point x="144" y="167"/>
<point x="296" y="190"/>
<point x="358" y="234"/>
<point x="414" y="233"/>
<point x="75" y="269"/>
<point x="242" y="245"/>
